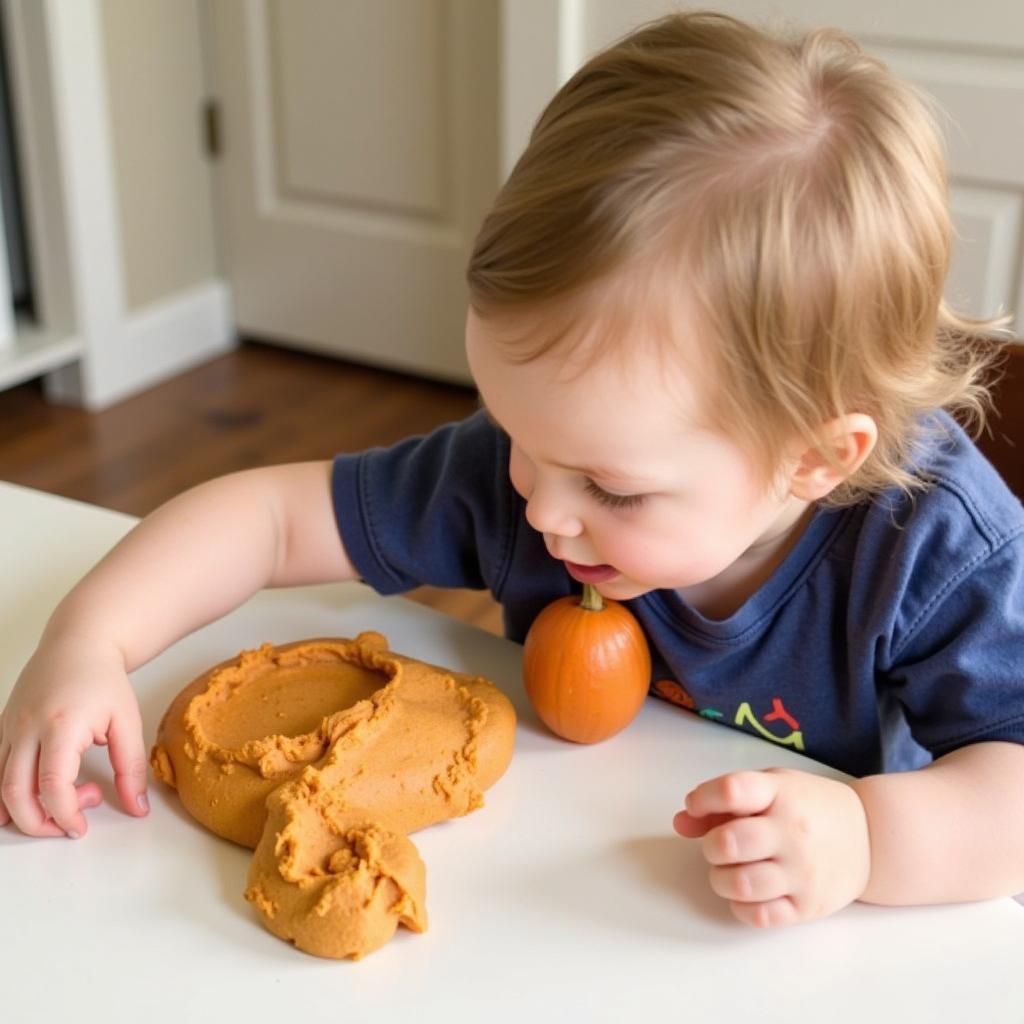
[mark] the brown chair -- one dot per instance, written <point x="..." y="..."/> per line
<point x="1003" y="439"/>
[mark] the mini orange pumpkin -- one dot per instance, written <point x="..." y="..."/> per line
<point x="586" y="666"/>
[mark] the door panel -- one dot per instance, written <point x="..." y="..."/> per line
<point x="330" y="142"/>
<point x="360" y="153"/>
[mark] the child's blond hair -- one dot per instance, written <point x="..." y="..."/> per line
<point x="793" y="190"/>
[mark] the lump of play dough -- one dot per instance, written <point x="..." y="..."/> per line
<point x="329" y="878"/>
<point x="322" y="754"/>
<point x="415" y="743"/>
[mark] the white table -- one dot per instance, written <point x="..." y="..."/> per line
<point x="567" y="897"/>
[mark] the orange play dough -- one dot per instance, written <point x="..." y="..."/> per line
<point x="323" y="754"/>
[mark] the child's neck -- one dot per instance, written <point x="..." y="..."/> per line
<point x="726" y="593"/>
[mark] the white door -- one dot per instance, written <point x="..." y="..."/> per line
<point x="969" y="56"/>
<point x="359" y="153"/>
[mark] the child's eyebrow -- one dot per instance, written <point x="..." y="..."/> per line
<point x="611" y="474"/>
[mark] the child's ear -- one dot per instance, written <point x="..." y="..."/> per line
<point x="849" y="440"/>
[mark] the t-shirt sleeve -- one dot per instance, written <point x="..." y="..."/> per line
<point x="960" y="672"/>
<point x="437" y="509"/>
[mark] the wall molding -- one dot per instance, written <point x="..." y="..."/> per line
<point x="149" y="346"/>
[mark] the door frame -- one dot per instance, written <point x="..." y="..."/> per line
<point x="92" y="347"/>
<point x="541" y="46"/>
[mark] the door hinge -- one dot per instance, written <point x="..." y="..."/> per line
<point x="211" y="128"/>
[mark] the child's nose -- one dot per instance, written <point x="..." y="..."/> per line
<point x="546" y="513"/>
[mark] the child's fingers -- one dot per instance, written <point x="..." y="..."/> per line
<point x="128" y="759"/>
<point x="759" y="882"/>
<point x="89" y="795"/>
<point x="693" y="828"/>
<point x="767" y="914"/>
<point x="737" y="793"/>
<point x="59" y="761"/>
<point x="741" y="841"/>
<point x="4" y="816"/>
<point x="18" y="790"/>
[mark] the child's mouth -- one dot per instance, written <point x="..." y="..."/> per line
<point x="591" y="573"/>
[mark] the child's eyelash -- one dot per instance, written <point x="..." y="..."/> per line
<point x="613" y="500"/>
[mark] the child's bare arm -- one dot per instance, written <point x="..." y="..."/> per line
<point x="204" y="553"/>
<point x="190" y="562"/>
<point x="949" y="833"/>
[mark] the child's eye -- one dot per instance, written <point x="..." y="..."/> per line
<point x="613" y="500"/>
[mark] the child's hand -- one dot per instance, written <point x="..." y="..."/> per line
<point x="784" y="846"/>
<point x="70" y="695"/>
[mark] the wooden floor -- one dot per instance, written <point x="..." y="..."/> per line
<point x="262" y="404"/>
<point x="255" y="406"/>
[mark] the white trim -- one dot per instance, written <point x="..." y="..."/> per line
<point x="6" y="301"/>
<point x="541" y="48"/>
<point x="34" y="351"/>
<point x="570" y="38"/>
<point x="153" y="344"/>
<point x="530" y="56"/>
<point x="85" y="148"/>
<point x="982" y="279"/>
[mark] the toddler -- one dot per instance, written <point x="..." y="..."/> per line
<point x="717" y="381"/>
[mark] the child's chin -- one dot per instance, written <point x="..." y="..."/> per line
<point x="620" y="589"/>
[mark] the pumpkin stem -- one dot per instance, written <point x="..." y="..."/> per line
<point x="592" y="600"/>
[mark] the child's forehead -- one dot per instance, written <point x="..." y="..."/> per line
<point x="654" y="350"/>
<point x="633" y="380"/>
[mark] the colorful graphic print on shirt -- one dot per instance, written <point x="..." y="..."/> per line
<point x="743" y="717"/>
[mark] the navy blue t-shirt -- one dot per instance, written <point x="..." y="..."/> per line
<point x="892" y="633"/>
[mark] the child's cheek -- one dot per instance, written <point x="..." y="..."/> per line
<point x="623" y="547"/>
<point x="520" y="473"/>
<point x="659" y="560"/>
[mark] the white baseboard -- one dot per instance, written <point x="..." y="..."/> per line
<point x="151" y="345"/>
